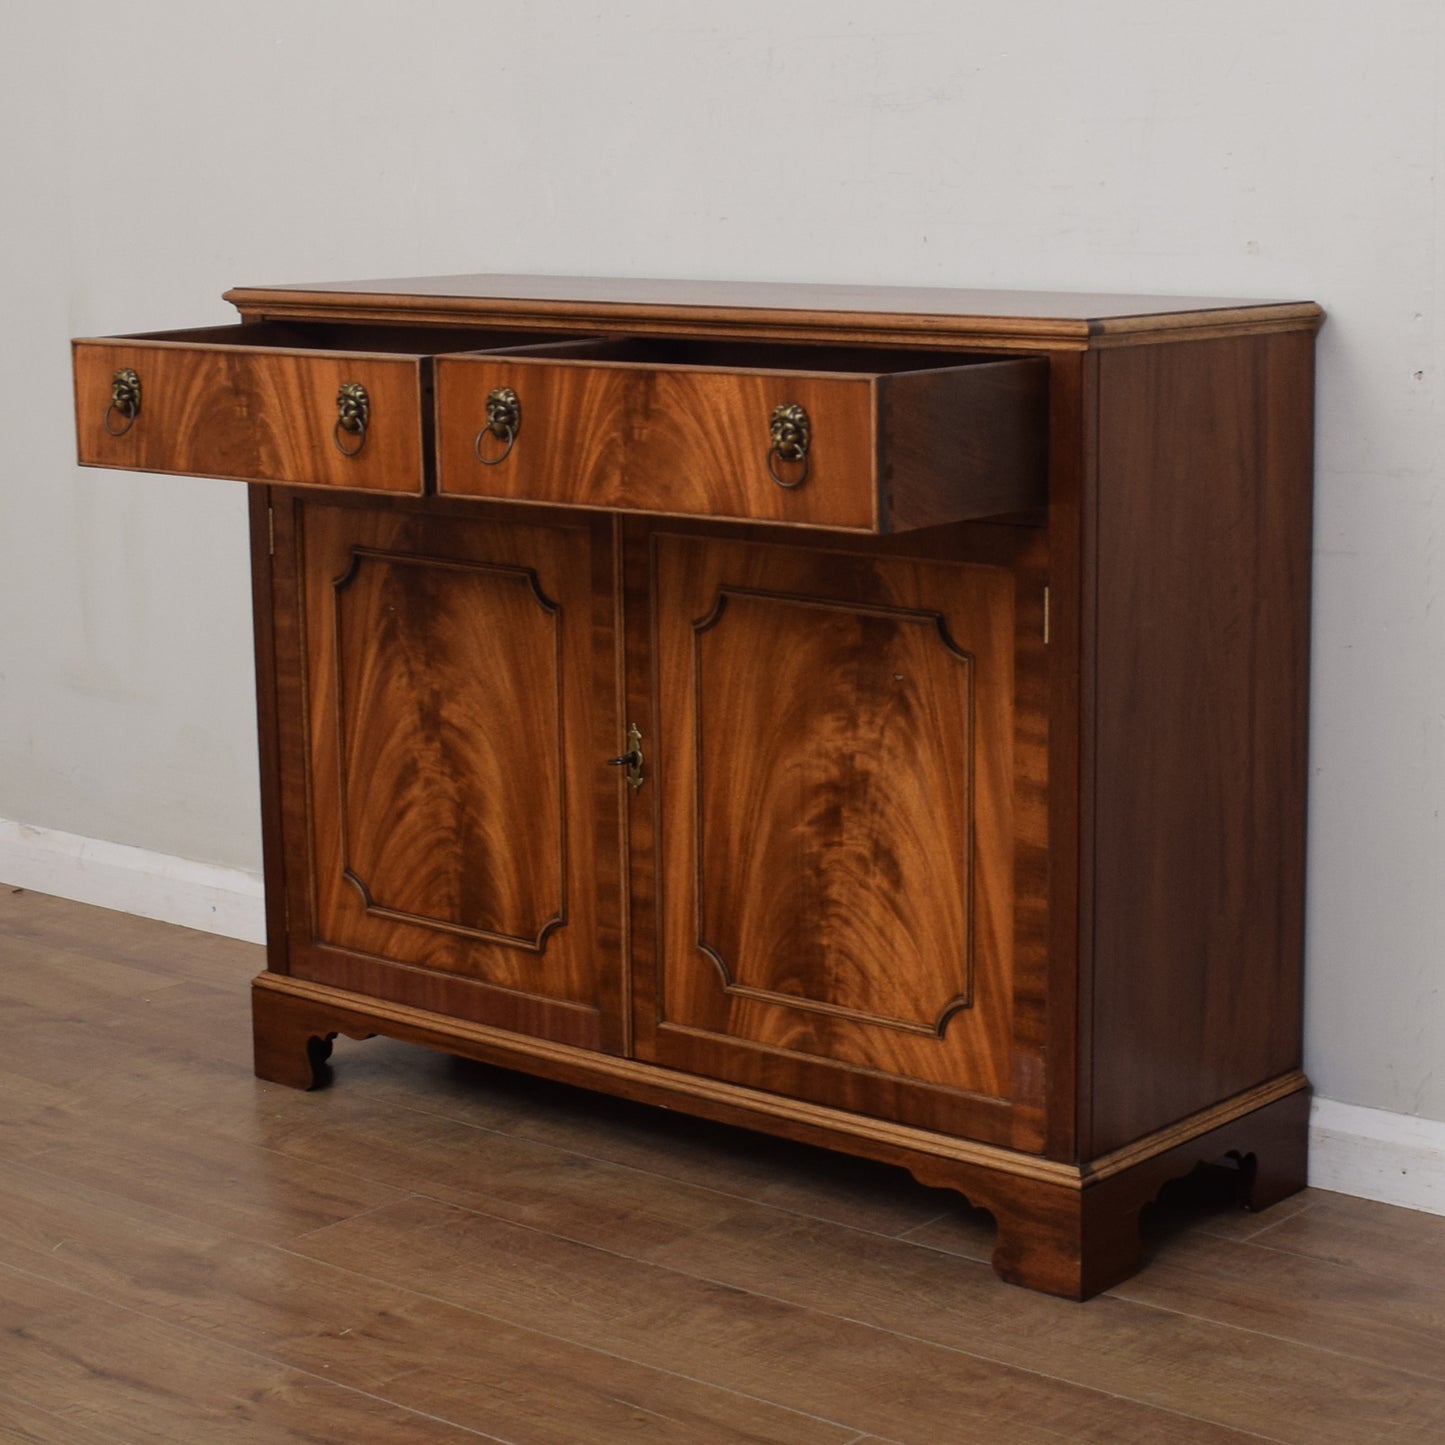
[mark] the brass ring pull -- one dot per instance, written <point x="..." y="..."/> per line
<point x="353" y="413"/>
<point x="504" y="419"/>
<point x="341" y="429"/>
<point x="507" y="433"/>
<point x="790" y="434"/>
<point x="124" y="399"/>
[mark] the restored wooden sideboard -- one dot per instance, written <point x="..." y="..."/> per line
<point x="875" y="717"/>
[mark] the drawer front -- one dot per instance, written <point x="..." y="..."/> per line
<point x="253" y="414"/>
<point x="678" y="441"/>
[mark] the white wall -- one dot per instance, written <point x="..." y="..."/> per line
<point x="156" y="153"/>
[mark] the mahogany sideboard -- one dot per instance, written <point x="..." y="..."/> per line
<point x="873" y="717"/>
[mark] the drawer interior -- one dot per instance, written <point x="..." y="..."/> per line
<point x="705" y="354"/>
<point x="358" y="338"/>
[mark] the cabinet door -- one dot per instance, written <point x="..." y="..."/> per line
<point x="451" y="833"/>
<point x="847" y="824"/>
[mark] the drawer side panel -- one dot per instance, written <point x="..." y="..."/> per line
<point x="962" y="443"/>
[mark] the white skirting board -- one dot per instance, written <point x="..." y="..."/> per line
<point x="1366" y="1152"/>
<point x="229" y="901"/>
<point x="1372" y="1153"/>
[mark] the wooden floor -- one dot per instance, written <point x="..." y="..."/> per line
<point x="432" y="1250"/>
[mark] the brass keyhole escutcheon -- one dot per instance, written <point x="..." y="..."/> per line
<point x="631" y="759"/>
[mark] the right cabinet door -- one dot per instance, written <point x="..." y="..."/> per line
<point x="845" y="828"/>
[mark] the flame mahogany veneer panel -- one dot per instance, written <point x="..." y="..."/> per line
<point x="657" y="440"/>
<point x="451" y="763"/>
<point x="450" y="744"/>
<point x="887" y="452"/>
<point x="254" y="414"/>
<point x="849" y="772"/>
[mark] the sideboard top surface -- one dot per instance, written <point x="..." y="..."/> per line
<point x="934" y="313"/>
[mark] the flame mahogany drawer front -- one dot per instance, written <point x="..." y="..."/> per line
<point x="876" y="718"/>
<point x="855" y="439"/>
<point x="865" y="440"/>
<point x="310" y="405"/>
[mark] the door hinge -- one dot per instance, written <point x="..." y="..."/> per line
<point x="271" y="526"/>
<point x="1046" y="616"/>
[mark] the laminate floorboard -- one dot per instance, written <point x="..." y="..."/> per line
<point x="22" y="1422"/>
<point x="433" y="1249"/>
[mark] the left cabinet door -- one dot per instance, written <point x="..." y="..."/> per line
<point x="451" y="835"/>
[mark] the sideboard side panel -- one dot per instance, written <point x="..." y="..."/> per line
<point x="1202" y="576"/>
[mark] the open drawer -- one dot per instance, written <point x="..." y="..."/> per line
<point x="315" y="405"/>
<point x="854" y="438"/>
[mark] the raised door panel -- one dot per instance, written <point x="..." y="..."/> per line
<point x="849" y="830"/>
<point x="457" y="843"/>
<point x="449" y="735"/>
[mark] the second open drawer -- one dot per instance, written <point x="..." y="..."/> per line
<point x="856" y="439"/>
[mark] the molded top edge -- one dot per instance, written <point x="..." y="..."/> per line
<point x="1066" y="317"/>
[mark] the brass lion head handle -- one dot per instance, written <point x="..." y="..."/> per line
<point x="791" y="434"/>
<point x="504" y="420"/>
<point x="124" y="401"/>
<point x="353" y="414"/>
